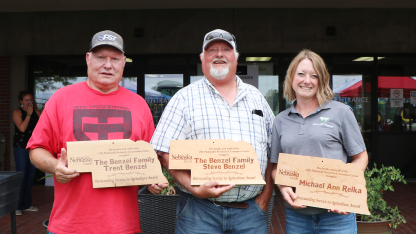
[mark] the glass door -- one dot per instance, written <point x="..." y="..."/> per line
<point x="159" y="89"/>
<point x="349" y="89"/>
<point x="396" y="83"/>
<point x="351" y="84"/>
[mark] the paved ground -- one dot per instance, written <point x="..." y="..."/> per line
<point x="31" y="222"/>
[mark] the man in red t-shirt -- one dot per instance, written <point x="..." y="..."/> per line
<point x="98" y="109"/>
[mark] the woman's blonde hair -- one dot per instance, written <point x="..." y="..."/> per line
<point x="324" y="93"/>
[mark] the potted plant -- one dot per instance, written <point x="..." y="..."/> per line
<point x="171" y="189"/>
<point x="378" y="180"/>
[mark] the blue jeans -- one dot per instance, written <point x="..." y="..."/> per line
<point x="327" y="222"/>
<point x="24" y="165"/>
<point x="54" y="233"/>
<point x="194" y="215"/>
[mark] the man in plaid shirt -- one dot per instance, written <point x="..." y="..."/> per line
<point x="220" y="106"/>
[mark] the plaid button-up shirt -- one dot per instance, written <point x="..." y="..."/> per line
<point x="199" y="111"/>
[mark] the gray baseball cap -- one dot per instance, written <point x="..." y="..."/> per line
<point x="107" y="37"/>
<point x="218" y="35"/>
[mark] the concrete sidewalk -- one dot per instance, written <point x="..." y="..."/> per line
<point x="31" y="222"/>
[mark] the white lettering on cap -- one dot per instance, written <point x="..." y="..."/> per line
<point x="106" y="37"/>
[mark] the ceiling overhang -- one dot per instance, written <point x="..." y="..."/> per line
<point x="88" y="5"/>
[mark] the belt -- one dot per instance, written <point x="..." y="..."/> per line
<point x="237" y="205"/>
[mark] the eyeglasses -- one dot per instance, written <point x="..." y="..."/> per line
<point x="225" y="35"/>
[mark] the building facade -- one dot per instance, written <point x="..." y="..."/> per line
<point x="370" y="53"/>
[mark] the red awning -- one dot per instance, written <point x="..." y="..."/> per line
<point x="385" y="83"/>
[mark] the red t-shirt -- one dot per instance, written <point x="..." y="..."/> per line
<point x="79" y="113"/>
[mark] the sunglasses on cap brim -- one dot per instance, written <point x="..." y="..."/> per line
<point x="224" y="35"/>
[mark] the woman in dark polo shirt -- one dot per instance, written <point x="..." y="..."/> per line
<point x="299" y="130"/>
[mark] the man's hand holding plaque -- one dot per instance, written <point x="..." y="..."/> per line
<point x="62" y="173"/>
<point x="224" y="161"/>
<point x="115" y="163"/>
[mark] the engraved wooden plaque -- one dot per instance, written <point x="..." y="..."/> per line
<point x="116" y="163"/>
<point x="324" y="183"/>
<point x="225" y="161"/>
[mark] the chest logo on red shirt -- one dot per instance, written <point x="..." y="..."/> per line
<point x="101" y="124"/>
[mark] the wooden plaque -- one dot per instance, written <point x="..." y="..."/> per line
<point x="116" y="163"/>
<point x="324" y="183"/>
<point x="225" y="161"/>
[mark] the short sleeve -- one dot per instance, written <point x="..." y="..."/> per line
<point x="276" y="147"/>
<point x="352" y="139"/>
<point x="43" y="136"/>
<point x="150" y="128"/>
<point x="269" y="116"/>
<point x="171" y="126"/>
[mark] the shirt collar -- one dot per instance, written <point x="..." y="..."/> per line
<point x="241" y="88"/>
<point x="327" y="105"/>
<point x="240" y="85"/>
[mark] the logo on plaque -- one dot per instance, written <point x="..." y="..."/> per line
<point x="116" y="163"/>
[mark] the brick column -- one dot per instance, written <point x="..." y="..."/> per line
<point x="5" y="105"/>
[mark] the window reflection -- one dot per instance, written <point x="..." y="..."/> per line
<point x="349" y="90"/>
<point x="46" y="86"/>
<point x="196" y="78"/>
<point x="159" y="89"/>
<point x="269" y="87"/>
<point x="129" y="83"/>
<point x="396" y="106"/>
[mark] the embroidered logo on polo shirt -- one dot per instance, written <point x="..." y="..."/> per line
<point x="324" y="119"/>
<point x="323" y="122"/>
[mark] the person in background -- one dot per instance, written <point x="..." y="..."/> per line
<point x="317" y="126"/>
<point x="25" y="119"/>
